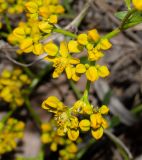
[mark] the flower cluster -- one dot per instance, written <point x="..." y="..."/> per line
<point x="41" y="17"/>
<point x="69" y="121"/>
<point x="11" y="83"/>
<point x="63" y="59"/>
<point x="12" y="6"/>
<point x="137" y="4"/>
<point x="10" y="133"/>
<point x="50" y="136"/>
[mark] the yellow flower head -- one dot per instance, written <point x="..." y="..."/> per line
<point x="137" y="4"/>
<point x="10" y="133"/>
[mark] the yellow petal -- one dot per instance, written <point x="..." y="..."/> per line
<point x="93" y="120"/>
<point x="53" y="147"/>
<point x="51" y="101"/>
<point x="53" y="19"/>
<point x="32" y="7"/>
<point x="103" y="71"/>
<point x="60" y="131"/>
<point x="105" y="44"/>
<point x="104" y="109"/>
<point x="74" y="61"/>
<point x="82" y="39"/>
<point x="45" y="138"/>
<point x="84" y="125"/>
<point x="19" y="32"/>
<point x="46" y="127"/>
<point x="93" y="35"/>
<point x="69" y="72"/>
<point x="45" y="26"/>
<point x="51" y="49"/>
<point x="73" y="134"/>
<point x="95" y="55"/>
<point x="73" y="46"/>
<point x="92" y="74"/>
<point x="38" y="49"/>
<point x="97" y="134"/>
<point x="80" y="68"/>
<point x="59" y="9"/>
<point x="75" y="76"/>
<point x="27" y="45"/>
<point x="64" y="49"/>
<point x="104" y="123"/>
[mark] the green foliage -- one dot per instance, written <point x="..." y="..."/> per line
<point x="133" y="19"/>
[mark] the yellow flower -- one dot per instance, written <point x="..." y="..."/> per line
<point x="32" y="7"/>
<point x="104" y="44"/>
<point x="53" y="19"/>
<point x="45" y="27"/>
<point x="102" y="71"/>
<point x="19" y="32"/>
<point x="97" y="134"/>
<point x="38" y="48"/>
<point x="45" y="138"/>
<point x="74" y="47"/>
<point x="60" y="9"/>
<point x="104" y="109"/>
<point x="27" y="45"/>
<point x="84" y="125"/>
<point x="53" y="146"/>
<point x="46" y="127"/>
<point x="92" y="74"/>
<point x="80" y="107"/>
<point x="94" y="55"/>
<point x="51" y="49"/>
<point x="82" y="39"/>
<point x="73" y="134"/>
<point x="93" y="35"/>
<point x="64" y="62"/>
<point x="137" y="4"/>
<point x="80" y="68"/>
<point x="53" y="104"/>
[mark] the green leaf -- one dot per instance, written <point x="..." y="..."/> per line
<point x="135" y="19"/>
<point x="121" y="15"/>
<point x="107" y="98"/>
<point x="114" y="122"/>
<point x="128" y="4"/>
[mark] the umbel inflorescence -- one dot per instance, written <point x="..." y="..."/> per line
<point x="42" y="17"/>
<point x="33" y="36"/>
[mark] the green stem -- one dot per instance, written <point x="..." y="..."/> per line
<point x="65" y="32"/>
<point x="28" y="91"/>
<point x="86" y="92"/>
<point x="8" y="25"/>
<point x="112" y="34"/>
<point x="8" y="115"/>
<point x="32" y="111"/>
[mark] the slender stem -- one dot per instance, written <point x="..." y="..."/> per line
<point x="112" y="34"/>
<point x="32" y="111"/>
<point x="65" y="32"/>
<point x="27" y="93"/>
<point x="8" y="25"/>
<point x="8" y="115"/>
